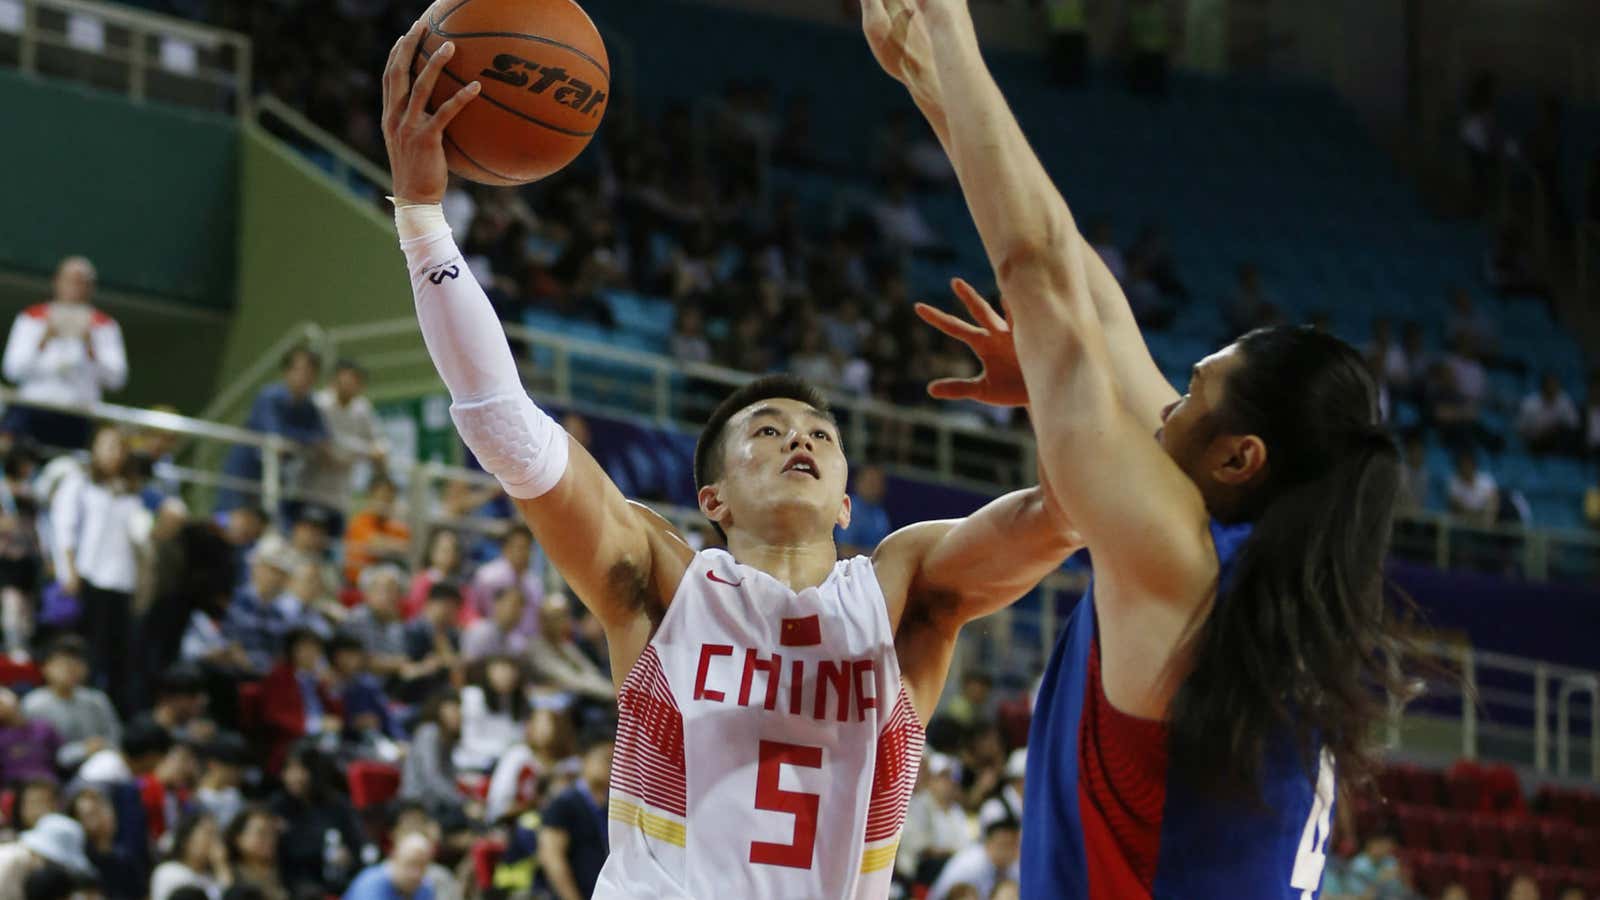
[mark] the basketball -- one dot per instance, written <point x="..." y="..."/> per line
<point x="546" y="84"/>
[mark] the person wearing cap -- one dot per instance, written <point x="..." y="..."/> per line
<point x="253" y="622"/>
<point x="1007" y="802"/>
<point x="82" y="716"/>
<point x="55" y="839"/>
<point x="936" y="824"/>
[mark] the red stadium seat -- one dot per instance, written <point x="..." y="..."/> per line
<point x="1416" y="827"/>
<point x="1430" y="872"/>
<point x="1502" y="789"/>
<point x="15" y="674"/>
<point x="1521" y="836"/>
<point x="1484" y="838"/>
<point x="1556" y="803"/>
<point x="1450" y="831"/>
<point x="1558" y="840"/>
<point x="372" y="784"/>
<point x="1480" y="877"/>
<point x="1465" y="785"/>
<point x="1407" y="783"/>
<point x="1587" y="851"/>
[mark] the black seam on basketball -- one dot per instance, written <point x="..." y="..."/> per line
<point x="433" y="26"/>
<point x="468" y="157"/>
<point x="454" y="35"/>
<point x="515" y="112"/>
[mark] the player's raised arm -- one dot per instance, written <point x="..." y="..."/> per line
<point x="899" y="39"/>
<point x="1154" y="538"/>
<point x="614" y="554"/>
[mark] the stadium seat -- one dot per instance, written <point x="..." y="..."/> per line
<point x="1415" y="825"/>
<point x="1521" y="838"/>
<point x="1464" y="784"/>
<point x="1451" y="831"/>
<point x="372" y="783"/>
<point x="1480" y="877"/>
<point x="1502" y="789"/>
<point x="19" y="675"/>
<point x="1558" y="842"/>
<point x="1484" y="839"/>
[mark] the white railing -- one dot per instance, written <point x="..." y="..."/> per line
<point x="149" y="56"/>
<point x="346" y="162"/>
<point x="571" y="372"/>
<point x="1477" y="704"/>
<point x="604" y="379"/>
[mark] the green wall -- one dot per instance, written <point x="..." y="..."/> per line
<point x="308" y="250"/>
<point x="146" y="191"/>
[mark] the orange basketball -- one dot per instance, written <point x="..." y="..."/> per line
<point x="546" y="83"/>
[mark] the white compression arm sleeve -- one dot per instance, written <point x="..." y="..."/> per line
<point x="514" y="440"/>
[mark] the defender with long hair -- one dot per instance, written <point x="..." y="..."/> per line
<point x="1229" y="663"/>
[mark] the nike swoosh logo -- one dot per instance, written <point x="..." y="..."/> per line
<point x="711" y="574"/>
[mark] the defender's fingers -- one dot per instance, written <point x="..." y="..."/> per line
<point x="962" y="331"/>
<point x="976" y="305"/>
<point x="955" y="388"/>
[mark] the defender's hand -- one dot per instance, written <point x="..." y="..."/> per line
<point x="413" y="136"/>
<point x="990" y="339"/>
<point x="900" y="43"/>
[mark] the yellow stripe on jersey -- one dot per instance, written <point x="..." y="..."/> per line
<point x="879" y="857"/>
<point x="658" y="827"/>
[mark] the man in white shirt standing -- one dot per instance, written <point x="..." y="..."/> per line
<point x="354" y="434"/>
<point x="63" y="351"/>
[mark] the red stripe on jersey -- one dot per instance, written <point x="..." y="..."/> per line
<point x="648" y="759"/>
<point x="894" y="774"/>
<point x="1122" y="790"/>
<point x="37" y="311"/>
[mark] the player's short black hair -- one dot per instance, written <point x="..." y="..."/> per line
<point x="345" y="364"/>
<point x="708" y="449"/>
<point x="68" y="645"/>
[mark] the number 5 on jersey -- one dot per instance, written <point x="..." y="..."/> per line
<point x="799" y="852"/>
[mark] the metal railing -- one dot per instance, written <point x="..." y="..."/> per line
<point x="1476" y="704"/>
<point x="576" y="373"/>
<point x="145" y="55"/>
<point x="599" y="378"/>
<point x="344" y="162"/>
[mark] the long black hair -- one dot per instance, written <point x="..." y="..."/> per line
<point x="1302" y="642"/>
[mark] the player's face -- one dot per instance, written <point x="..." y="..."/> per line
<point x="1188" y="426"/>
<point x="780" y="457"/>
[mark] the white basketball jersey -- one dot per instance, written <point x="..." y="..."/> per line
<point x="766" y="747"/>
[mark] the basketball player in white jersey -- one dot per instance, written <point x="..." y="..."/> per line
<point x="772" y="697"/>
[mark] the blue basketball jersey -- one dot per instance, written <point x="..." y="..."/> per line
<point x="1204" y="853"/>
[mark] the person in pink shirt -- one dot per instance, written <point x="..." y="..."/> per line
<point x="517" y="566"/>
<point x="446" y="562"/>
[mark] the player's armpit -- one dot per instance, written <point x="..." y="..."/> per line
<point x="958" y="570"/>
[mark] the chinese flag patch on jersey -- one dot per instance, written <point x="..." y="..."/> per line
<point x="802" y="632"/>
